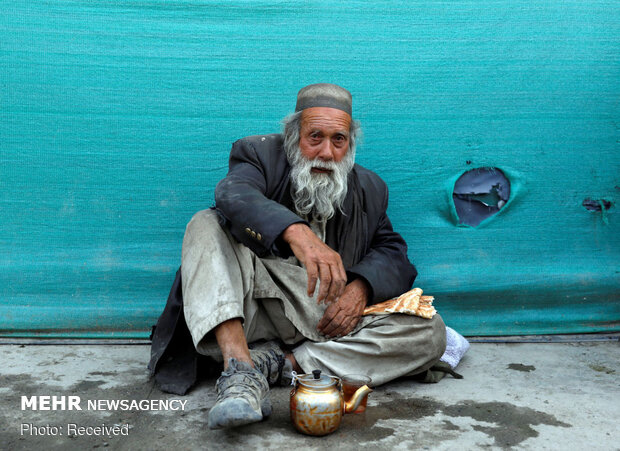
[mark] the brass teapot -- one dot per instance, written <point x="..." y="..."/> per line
<point x="317" y="403"/>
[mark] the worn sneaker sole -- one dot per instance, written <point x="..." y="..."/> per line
<point x="237" y="412"/>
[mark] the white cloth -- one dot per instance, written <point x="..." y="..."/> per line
<point x="456" y="347"/>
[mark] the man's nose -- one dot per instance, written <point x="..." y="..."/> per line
<point x="326" y="152"/>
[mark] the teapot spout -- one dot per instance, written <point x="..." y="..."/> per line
<point x="356" y="399"/>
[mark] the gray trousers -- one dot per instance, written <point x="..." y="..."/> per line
<point x="223" y="279"/>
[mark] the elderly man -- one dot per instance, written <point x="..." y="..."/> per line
<point x="299" y="243"/>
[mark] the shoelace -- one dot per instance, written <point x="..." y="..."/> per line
<point x="272" y="358"/>
<point x="243" y="384"/>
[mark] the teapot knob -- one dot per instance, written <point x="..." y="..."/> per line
<point x="316" y="374"/>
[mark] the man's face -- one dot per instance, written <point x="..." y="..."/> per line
<point x="324" y="136"/>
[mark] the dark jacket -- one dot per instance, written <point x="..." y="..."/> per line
<point x="254" y="202"/>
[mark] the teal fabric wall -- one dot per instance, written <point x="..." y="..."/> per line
<point x="116" y="119"/>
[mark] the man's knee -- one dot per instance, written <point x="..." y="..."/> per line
<point x="202" y="222"/>
<point x="427" y="336"/>
<point x="203" y="233"/>
<point x="437" y="340"/>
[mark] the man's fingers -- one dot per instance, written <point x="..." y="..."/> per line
<point x="347" y="325"/>
<point x="328" y="315"/>
<point x="325" y="288"/>
<point x="338" y="283"/>
<point x="312" y="271"/>
<point x="343" y="276"/>
<point x="351" y="325"/>
<point x="337" y="323"/>
<point x="339" y="287"/>
<point x="334" y="325"/>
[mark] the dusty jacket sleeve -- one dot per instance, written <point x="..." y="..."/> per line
<point x="243" y="196"/>
<point x="386" y="266"/>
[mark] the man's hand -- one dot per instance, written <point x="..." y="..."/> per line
<point x="341" y="317"/>
<point x="321" y="262"/>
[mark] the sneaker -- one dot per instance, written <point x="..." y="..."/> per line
<point x="270" y="359"/>
<point x="241" y="397"/>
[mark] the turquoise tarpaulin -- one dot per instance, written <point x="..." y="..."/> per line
<point x="116" y="119"/>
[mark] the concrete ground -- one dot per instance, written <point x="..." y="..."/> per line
<point x="557" y="396"/>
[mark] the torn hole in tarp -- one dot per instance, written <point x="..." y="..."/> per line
<point x="596" y="205"/>
<point x="601" y="205"/>
<point x="479" y="194"/>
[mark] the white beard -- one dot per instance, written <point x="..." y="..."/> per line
<point x="318" y="195"/>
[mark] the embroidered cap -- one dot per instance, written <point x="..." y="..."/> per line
<point x="324" y="95"/>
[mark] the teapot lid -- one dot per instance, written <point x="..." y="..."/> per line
<point x="316" y="380"/>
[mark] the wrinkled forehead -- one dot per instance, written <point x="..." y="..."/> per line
<point x="326" y="120"/>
